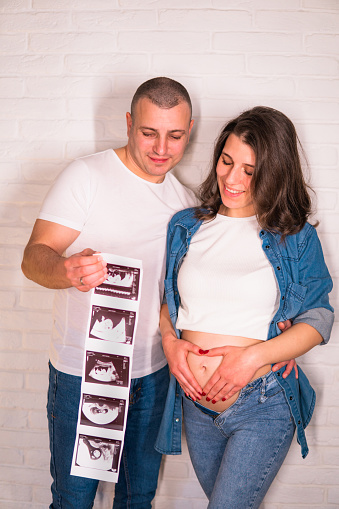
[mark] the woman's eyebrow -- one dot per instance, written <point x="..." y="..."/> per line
<point x="227" y="155"/>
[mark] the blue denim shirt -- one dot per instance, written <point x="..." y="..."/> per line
<point x="304" y="284"/>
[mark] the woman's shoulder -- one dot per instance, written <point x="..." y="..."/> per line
<point x="306" y="234"/>
<point x="308" y="230"/>
<point x="295" y="245"/>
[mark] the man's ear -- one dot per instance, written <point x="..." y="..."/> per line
<point x="128" y="122"/>
<point x="190" y="128"/>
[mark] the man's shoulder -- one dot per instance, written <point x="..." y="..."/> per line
<point x="90" y="163"/>
<point x="181" y="189"/>
<point x="97" y="158"/>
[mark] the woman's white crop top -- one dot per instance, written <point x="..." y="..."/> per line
<point x="226" y="284"/>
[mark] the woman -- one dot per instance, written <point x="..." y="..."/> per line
<point x="236" y="266"/>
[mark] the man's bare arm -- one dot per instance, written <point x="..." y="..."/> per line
<point x="44" y="263"/>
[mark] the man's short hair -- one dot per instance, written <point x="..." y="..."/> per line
<point x="164" y="92"/>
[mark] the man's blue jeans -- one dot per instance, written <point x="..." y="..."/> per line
<point x="236" y="454"/>
<point x="140" y="463"/>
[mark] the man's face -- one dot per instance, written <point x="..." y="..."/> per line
<point x="157" y="138"/>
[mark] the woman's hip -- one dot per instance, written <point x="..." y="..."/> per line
<point x="261" y="399"/>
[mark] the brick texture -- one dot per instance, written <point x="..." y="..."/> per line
<point x="68" y="70"/>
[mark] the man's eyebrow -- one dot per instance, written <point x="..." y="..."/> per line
<point x="155" y="130"/>
<point x="246" y="164"/>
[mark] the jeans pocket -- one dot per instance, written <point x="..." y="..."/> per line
<point x="277" y="403"/>
<point x="274" y="391"/>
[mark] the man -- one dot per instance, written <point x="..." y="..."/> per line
<point x="116" y="201"/>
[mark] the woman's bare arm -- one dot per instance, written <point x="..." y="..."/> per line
<point x="241" y="363"/>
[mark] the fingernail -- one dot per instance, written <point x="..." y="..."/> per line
<point x="213" y="401"/>
<point x="208" y="399"/>
<point x="203" y="394"/>
<point x="203" y="352"/>
<point x="223" y="399"/>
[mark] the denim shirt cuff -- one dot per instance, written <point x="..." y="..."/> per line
<point x="321" y="319"/>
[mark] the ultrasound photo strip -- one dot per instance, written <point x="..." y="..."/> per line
<point x="102" y="411"/>
<point x="108" y="369"/>
<point x="112" y="322"/>
<point x="122" y="281"/>
<point x="98" y="453"/>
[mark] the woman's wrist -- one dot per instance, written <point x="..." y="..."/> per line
<point x="255" y="356"/>
<point x="168" y="337"/>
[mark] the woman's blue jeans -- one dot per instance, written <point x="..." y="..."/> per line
<point x="236" y="454"/>
<point x="139" y="468"/>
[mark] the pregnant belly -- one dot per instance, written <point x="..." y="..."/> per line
<point x="203" y="367"/>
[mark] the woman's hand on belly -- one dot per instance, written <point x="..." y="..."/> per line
<point x="176" y="351"/>
<point x="235" y="371"/>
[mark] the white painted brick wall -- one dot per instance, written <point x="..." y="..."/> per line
<point x="68" y="70"/>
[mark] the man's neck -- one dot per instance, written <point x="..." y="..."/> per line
<point x="127" y="161"/>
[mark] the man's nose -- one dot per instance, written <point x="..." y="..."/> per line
<point x="160" y="145"/>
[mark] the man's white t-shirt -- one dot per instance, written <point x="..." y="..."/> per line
<point x="115" y="212"/>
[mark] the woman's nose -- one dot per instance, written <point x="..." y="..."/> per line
<point x="233" y="175"/>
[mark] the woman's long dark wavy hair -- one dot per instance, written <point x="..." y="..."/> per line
<point x="280" y="194"/>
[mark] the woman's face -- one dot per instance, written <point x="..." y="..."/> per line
<point x="234" y="172"/>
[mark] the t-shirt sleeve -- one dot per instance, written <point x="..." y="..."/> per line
<point x="68" y="200"/>
<point x="193" y="200"/>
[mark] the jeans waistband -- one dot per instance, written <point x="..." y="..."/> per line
<point x="208" y="411"/>
<point x="264" y="380"/>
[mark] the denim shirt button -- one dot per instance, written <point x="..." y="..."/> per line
<point x="278" y="268"/>
<point x="291" y="398"/>
<point x="278" y="373"/>
<point x="267" y="247"/>
<point x="299" y="422"/>
<point x="177" y="419"/>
